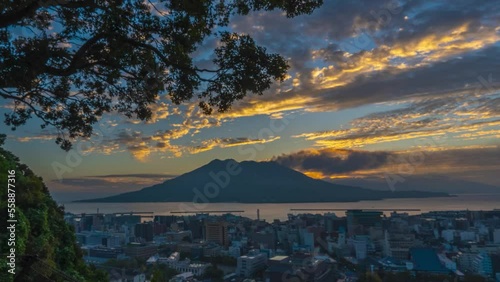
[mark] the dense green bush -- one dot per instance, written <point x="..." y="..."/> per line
<point x="46" y="248"/>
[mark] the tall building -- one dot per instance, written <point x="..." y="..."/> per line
<point x="496" y="236"/>
<point x="448" y="235"/>
<point x="482" y="264"/>
<point x="359" y="221"/>
<point x="465" y="261"/>
<point x="341" y="239"/>
<point x="127" y="219"/>
<point x="140" y="250"/>
<point x="86" y="222"/>
<point x="360" y="248"/>
<point x="144" y="231"/>
<point x="248" y="265"/>
<point x="398" y="245"/>
<point x="165" y="219"/>
<point x="196" y="227"/>
<point x="216" y="232"/>
<point x="264" y="239"/>
<point x="307" y="239"/>
<point x="159" y="228"/>
<point x="334" y="223"/>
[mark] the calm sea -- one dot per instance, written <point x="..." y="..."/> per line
<point x="280" y="211"/>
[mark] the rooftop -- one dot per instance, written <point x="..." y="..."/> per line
<point x="426" y="259"/>
<point x="278" y="258"/>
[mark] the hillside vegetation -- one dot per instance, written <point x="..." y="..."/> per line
<point x="45" y="245"/>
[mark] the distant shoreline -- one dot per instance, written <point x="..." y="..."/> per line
<point x="271" y="211"/>
<point x="444" y="195"/>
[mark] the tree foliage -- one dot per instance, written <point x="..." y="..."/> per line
<point x="404" y="276"/>
<point x="46" y="248"/>
<point x="161" y="273"/>
<point x="213" y="273"/>
<point x="369" y="277"/>
<point x="474" y="278"/>
<point x="68" y="62"/>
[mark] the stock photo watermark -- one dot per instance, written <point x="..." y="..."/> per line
<point x="11" y="221"/>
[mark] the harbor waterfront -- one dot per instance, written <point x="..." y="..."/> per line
<point x="270" y="212"/>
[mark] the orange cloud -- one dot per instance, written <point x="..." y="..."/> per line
<point x="210" y="144"/>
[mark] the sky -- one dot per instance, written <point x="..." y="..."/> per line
<point x="376" y="88"/>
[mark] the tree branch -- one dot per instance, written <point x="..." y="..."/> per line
<point x="13" y="17"/>
<point x="10" y="18"/>
<point x="77" y="60"/>
<point x="34" y="110"/>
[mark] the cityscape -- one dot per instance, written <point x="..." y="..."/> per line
<point x="361" y="245"/>
<point x="250" y="141"/>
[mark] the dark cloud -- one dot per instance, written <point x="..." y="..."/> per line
<point x="382" y="20"/>
<point x="440" y="17"/>
<point x="135" y="175"/>
<point x="78" y="188"/>
<point x="411" y="49"/>
<point x="473" y="159"/>
<point x="329" y="161"/>
<point x="335" y="20"/>
<point x="464" y="162"/>
<point x="241" y="140"/>
<point x="431" y="81"/>
<point x="161" y="145"/>
<point x="110" y="180"/>
<point x="84" y="182"/>
<point x="440" y="84"/>
<point x="447" y="114"/>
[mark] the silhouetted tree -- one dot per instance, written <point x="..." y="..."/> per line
<point x="397" y="277"/>
<point x="369" y="277"/>
<point x="162" y="273"/>
<point x="69" y="61"/>
<point x="213" y="273"/>
<point x="474" y="278"/>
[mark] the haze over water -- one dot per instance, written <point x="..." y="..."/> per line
<point x="270" y="211"/>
